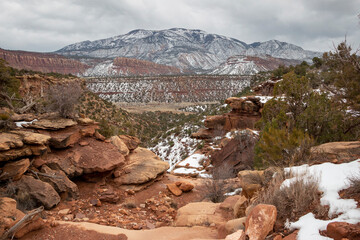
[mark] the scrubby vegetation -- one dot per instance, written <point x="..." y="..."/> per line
<point x="300" y="115"/>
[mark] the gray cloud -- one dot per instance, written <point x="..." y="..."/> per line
<point x="47" y="25"/>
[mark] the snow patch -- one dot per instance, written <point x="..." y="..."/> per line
<point x="332" y="179"/>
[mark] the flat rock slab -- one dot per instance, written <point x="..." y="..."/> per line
<point x="97" y="156"/>
<point x="143" y="166"/>
<point x="199" y="214"/>
<point x="14" y="170"/>
<point x="33" y="138"/>
<point x="10" y="140"/>
<point x="52" y="124"/>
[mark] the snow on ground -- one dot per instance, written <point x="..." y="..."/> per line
<point x="332" y="179"/>
<point x="193" y="161"/>
<point x="175" y="148"/>
<point x="263" y="99"/>
<point x="192" y="171"/>
<point x="21" y="123"/>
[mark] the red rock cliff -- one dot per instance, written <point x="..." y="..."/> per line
<point x="42" y="62"/>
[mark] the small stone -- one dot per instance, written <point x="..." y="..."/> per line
<point x="80" y="216"/>
<point x="95" y="202"/>
<point x="64" y="211"/>
<point x="174" y="189"/>
<point x="83" y="143"/>
<point x="186" y="186"/>
<point x="142" y="205"/>
<point x="69" y="217"/>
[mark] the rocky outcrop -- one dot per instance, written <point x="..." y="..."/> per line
<point x="142" y="166"/>
<point x="42" y="62"/>
<point x="97" y="156"/>
<point x="60" y="182"/>
<point x="39" y="192"/>
<point x="336" y="151"/>
<point x="245" y="112"/>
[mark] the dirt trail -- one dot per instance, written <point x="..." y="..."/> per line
<point x="91" y="231"/>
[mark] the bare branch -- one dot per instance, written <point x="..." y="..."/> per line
<point x="20" y="224"/>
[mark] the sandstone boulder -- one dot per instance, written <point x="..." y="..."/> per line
<point x="10" y="140"/>
<point x="260" y="221"/>
<point x="143" y="166"/>
<point x="203" y="133"/>
<point x="229" y="203"/>
<point x="131" y="142"/>
<point x="236" y="224"/>
<point x="16" y="153"/>
<point x="9" y="215"/>
<point x="60" y="182"/>
<point x="14" y="170"/>
<point x="247" y="104"/>
<point x="336" y="151"/>
<point x="340" y="230"/>
<point x="85" y="121"/>
<point x="39" y="192"/>
<point x="123" y="149"/>
<point x="33" y="138"/>
<point x="248" y="177"/>
<point x="186" y="186"/>
<point x="52" y="124"/>
<point x="95" y="157"/>
<point x="215" y="122"/>
<point x="239" y="235"/>
<point x="174" y="189"/>
<point x="240" y="207"/>
<point x="199" y="214"/>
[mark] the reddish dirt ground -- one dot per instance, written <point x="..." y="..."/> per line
<point x="152" y="207"/>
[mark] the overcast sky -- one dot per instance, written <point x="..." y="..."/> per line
<point x="47" y="25"/>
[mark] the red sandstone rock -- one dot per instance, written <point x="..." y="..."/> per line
<point x="340" y="230"/>
<point x="14" y="170"/>
<point x="43" y="62"/>
<point x="186" y="186"/>
<point x="260" y="221"/>
<point x="131" y="142"/>
<point x="174" y="189"/>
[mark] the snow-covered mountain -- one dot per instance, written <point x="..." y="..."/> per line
<point x="185" y="49"/>
<point x="250" y="65"/>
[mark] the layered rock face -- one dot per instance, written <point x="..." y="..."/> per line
<point x="42" y="62"/>
<point x="41" y="158"/>
<point x="245" y="112"/>
<point x="194" y="88"/>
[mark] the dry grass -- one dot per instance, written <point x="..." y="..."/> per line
<point x="63" y="98"/>
<point x="216" y="187"/>
<point x="355" y="183"/>
<point x="291" y="201"/>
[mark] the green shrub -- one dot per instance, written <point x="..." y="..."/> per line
<point x="278" y="147"/>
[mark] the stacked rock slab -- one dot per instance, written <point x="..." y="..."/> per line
<point x="245" y="112"/>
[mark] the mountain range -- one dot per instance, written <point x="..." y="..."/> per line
<point x="180" y="50"/>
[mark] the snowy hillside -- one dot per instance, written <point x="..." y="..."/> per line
<point x="193" y="50"/>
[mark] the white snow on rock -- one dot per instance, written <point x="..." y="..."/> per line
<point x="332" y="179"/>
<point x="193" y="161"/>
<point x="21" y="123"/>
<point x="192" y="171"/>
